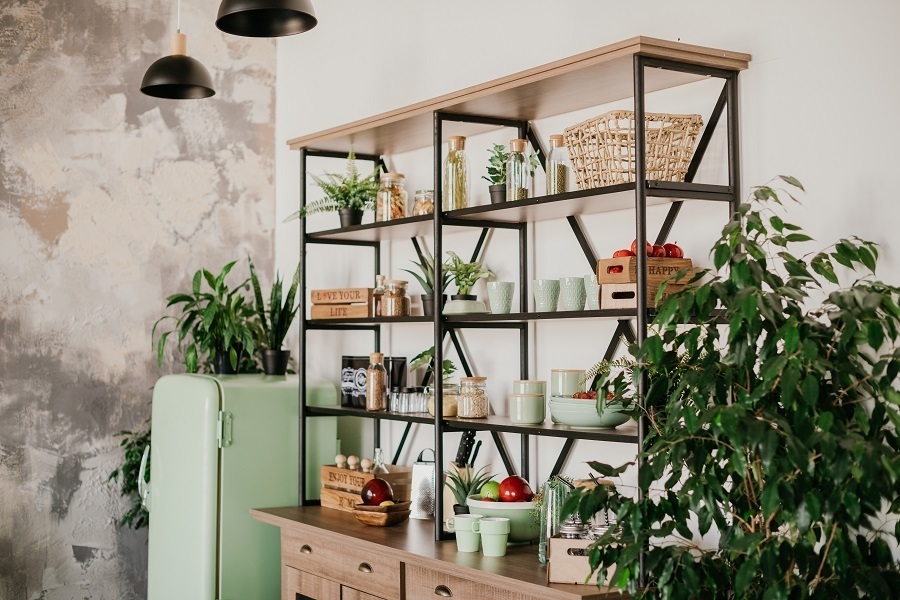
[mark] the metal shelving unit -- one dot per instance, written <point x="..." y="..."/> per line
<point x="403" y="129"/>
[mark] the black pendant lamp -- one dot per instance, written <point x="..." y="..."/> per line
<point x="178" y="76"/>
<point x="266" y="18"/>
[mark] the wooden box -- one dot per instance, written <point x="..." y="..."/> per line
<point x="569" y="562"/>
<point x="624" y="295"/>
<point x="340" y="311"/>
<point x="658" y="270"/>
<point x="341" y="487"/>
<point x="342" y="296"/>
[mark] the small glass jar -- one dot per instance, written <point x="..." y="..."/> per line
<point x="473" y="401"/>
<point x="391" y="198"/>
<point x="424" y="204"/>
<point x="377" y="295"/>
<point x="421" y="400"/>
<point x="518" y="172"/>
<point x="394" y="404"/>
<point x="557" y="167"/>
<point x="395" y="301"/>
<point x="450" y="399"/>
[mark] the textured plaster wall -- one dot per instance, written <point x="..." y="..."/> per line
<point x="109" y="200"/>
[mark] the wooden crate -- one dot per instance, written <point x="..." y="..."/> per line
<point x="624" y="295"/>
<point x="353" y="481"/>
<point x="342" y="296"/>
<point x="658" y="269"/>
<point x="343" y="500"/>
<point x="569" y="562"/>
<point x="340" y="311"/>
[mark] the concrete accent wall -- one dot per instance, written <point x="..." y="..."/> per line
<point x="109" y="200"/>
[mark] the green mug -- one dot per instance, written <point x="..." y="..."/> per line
<point x="467" y="538"/>
<point x="494" y="535"/>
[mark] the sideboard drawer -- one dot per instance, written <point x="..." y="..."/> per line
<point x="426" y="584"/>
<point x="331" y="558"/>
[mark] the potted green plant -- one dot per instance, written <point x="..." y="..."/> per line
<point x="463" y="482"/>
<point x="426" y="278"/>
<point x="465" y="275"/>
<point x="215" y="326"/>
<point x="349" y="195"/>
<point x="780" y="431"/>
<point x="496" y="171"/>
<point x="425" y="358"/>
<point x="275" y="322"/>
<point x="450" y="390"/>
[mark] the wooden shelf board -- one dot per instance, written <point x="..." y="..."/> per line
<point x="589" y="79"/>
<point x="626" y="434"/>
<point x="541" y="208"/>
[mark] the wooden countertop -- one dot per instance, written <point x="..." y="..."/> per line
<point x="413" y="542"/>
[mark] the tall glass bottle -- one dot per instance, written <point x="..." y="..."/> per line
<point x="456" y="175"/>
<point x="518" y="172"/>
<point x="377" y="295"/>
<point x="376" y="383"/>
<point x="558" y="167"/>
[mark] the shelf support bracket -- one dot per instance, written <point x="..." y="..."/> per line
<point x="563" y="457"/>
<point x="583" y="241"/>
<point x="504" y="454"/>
<point x="402" y="443"/>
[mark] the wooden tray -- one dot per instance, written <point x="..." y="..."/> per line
<point x="658" y="270"/>
<point x="353" y="481"/>
<point x="382" y="516"/>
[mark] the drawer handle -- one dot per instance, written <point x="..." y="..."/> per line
<point x="365" y="567"/>
<point x="304" y="549"/>
<point x="443" y="591"/>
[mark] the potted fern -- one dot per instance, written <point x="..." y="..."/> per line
<point x="275" y="322"/>
<point x="349" y="195"/>
<point x="426" y="279"/>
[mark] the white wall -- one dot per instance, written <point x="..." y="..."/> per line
<point x="814" y="104"/>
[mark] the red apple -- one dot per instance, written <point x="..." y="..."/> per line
<point x="515" y="489"/>
<point x="615" y="269"/>
<point x="622" y="253"/>
<point x="376" y="491"/>
<point x="658" y="252"/>
<point x="674" y="251"/>
<point x="634" y="248"/>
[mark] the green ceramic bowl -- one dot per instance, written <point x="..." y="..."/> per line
<point x="523" y="527"/>
<point x="586" y="416"/>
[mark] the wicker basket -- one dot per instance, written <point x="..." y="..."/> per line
<point x="602" y="148"/>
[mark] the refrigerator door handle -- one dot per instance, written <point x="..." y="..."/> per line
<point x="144" y="488"/>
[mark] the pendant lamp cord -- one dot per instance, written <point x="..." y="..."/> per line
<point x="178" y="17"/>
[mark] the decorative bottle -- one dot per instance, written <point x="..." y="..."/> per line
<point x="456" y="175"/>
<point x="376" y="383"/>
<point x="517" y="172"/>
<point x="377" y="295"/>
<point x="378" y="466"/>
<point x="558" y="167"/>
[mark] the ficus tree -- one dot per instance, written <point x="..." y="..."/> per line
<point x="772" y="413"/>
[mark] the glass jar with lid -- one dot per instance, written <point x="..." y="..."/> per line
<point x="557" y="166"/>
<point x="450" y="399"/>
<point x="456" y="175"/>
<point x="424" y="203"/>
<point x="518" y="172"/>
<point x="391" y="198"/>
<point x="395" y="301"/>
<point x="473" y="400"/>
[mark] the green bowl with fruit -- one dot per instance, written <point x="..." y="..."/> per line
<point x="524" y="527"/>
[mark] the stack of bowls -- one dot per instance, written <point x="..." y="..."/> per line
<point x="583" y="413"/>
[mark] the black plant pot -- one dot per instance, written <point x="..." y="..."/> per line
<point x="460" y="509"/>
<point x="498" y="193"/>
<point x="350" y="217"/>
<point x="464" y="297"/>
<point x="275" y="362"/>
<point x="428" y="304"/>
<point x="222" y="362"/>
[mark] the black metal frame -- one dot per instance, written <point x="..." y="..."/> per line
<point x="452" y="326"/>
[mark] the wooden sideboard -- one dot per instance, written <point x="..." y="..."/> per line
<point x="327" y="554"/>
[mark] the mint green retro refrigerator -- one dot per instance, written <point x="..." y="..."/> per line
<point x="219" y="447"/>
